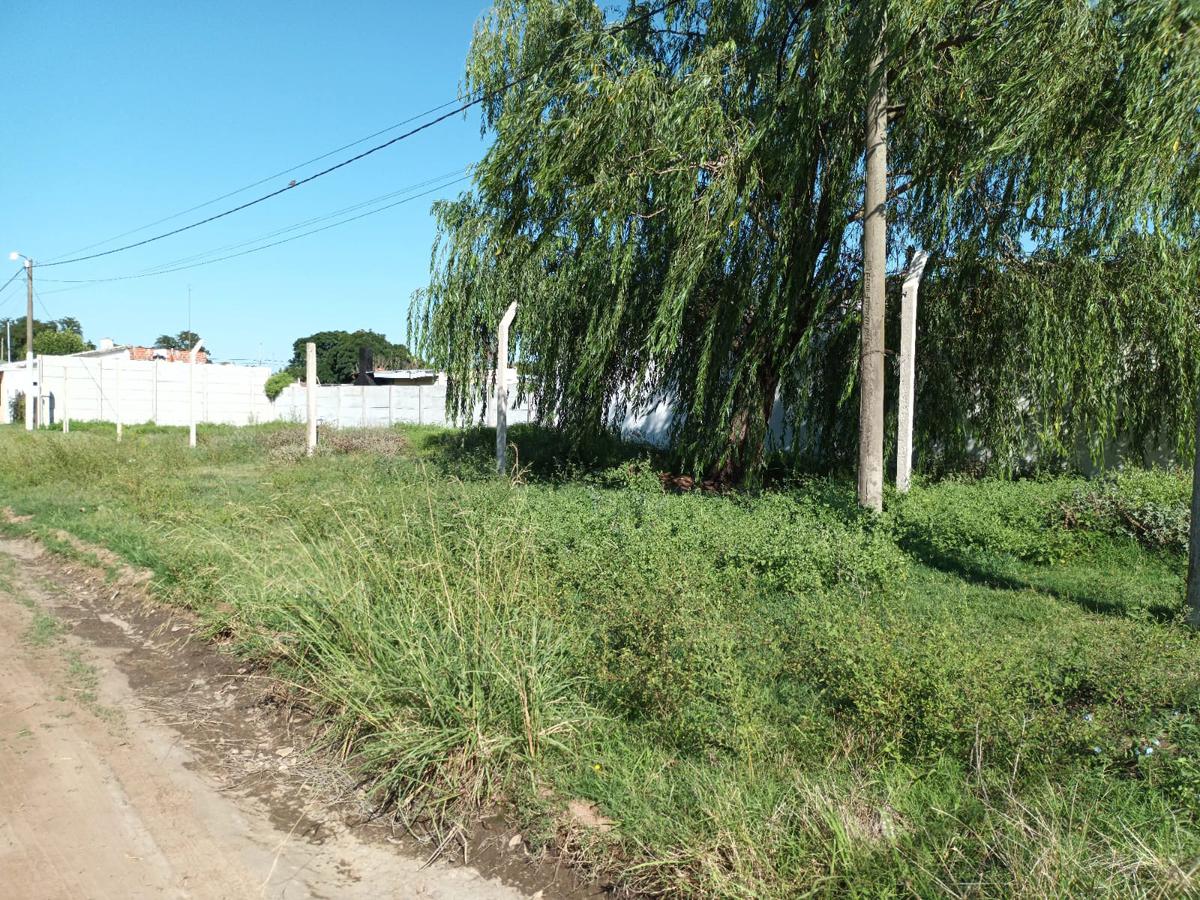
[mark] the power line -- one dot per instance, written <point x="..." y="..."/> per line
<point x="11" y="280"/>
<point x="314" y="220"/>
<point x="462" y="107"/>
<point x="255" y="184"/>
<point x="49" y="315"/>
<point x="267" y="196"/>
<point x="86" y="281"/>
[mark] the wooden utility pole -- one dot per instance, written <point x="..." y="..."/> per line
<point x="310" y="394"/>
<point x="874" y="304"/>
<point x="908" y="369"/>
<point x="502" y="388"/>
<point x="1193" y="576"/>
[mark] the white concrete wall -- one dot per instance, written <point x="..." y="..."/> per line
<point x="357" y="406"/>
<point x="97" y="388"/>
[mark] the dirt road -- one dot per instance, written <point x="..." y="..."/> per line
<point x="135" y="763"/>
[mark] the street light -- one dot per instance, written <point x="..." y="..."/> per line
<point x="29" y="410"/>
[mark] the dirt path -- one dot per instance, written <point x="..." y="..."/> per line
<point x="134" y="763"/>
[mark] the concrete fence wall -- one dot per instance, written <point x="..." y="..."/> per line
<point x="101" y="387"/>
<point x="374" y="406"/>
<point x="96" y="388"/>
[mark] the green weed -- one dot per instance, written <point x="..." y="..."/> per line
<point x="762" y="695"/>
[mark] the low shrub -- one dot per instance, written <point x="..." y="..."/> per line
<point x="276" y="383"/>
<point x="1151" y="507"/>
<point x="16" y="407"/>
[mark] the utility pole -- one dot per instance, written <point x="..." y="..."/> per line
<point x="874" y="303"/>
<point x="1193" y="575"/>
<point x="310" y="396"/>
<point x="30" y="395"/>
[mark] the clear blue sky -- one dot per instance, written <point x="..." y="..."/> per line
<point x="122" y="112"/>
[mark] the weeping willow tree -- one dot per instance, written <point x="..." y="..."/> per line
<point x="1043" y="362"/>
<point x="675" y="203"/>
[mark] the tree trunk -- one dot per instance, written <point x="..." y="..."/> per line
<point x="1193" y="577"/>
<point x="747" y="443"/>
<point x="874" y="251"/>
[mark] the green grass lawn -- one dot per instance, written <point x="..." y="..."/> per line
<point x="987" y="692"/>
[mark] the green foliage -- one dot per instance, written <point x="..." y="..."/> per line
<point x="675" y="205"/>
<point x="59" y="343"/>
<point x="277" y="382"/>
<point x="185" y="340"/>
<point x="69" y="337"/>
<point x="16" y="407"/>
<point x="771" y="694"/>
<point x="1058" y="359"/>
<point x="337" y="354"/>
<point x="1153" y="508"/>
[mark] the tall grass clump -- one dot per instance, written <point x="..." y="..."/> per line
<point x="418" y="634"/>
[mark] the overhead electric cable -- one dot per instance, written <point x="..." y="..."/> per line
<point x="87" y="281"/>
<point x="462" y="107"/>
<point x="11" y="279"/>
<point x="314" y="220"/>
<point x="254" y="184"/>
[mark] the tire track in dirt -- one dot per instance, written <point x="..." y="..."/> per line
<point x="136" y="761"/>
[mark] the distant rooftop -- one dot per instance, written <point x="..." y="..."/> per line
<point x="145" y="354"/>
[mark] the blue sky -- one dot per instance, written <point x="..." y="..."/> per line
<point x="120" y="113"/>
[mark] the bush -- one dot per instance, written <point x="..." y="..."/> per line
<point x="16" y="408"/>
<point x="276" y="383"/>
<point x="1151" y="507"/>
<point x="962" y="517"/>
<point x="59" y="343"/>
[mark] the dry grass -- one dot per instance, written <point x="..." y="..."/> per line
<point x="289" y="444"/>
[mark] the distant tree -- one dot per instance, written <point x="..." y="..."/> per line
<point x="57" y="336"/>
<point x="59" y="343"/>
<point x="337" y="354"/>
<point x="185" y="340"/>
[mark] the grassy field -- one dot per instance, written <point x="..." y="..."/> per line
<point x="988" y="692"/>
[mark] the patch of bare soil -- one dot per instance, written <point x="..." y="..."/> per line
<point x="138" y="760"/>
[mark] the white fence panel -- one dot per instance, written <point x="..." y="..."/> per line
<point x="90" y="389"/>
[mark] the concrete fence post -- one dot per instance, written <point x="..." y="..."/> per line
<point x="66" y="398"/>
<point x="29" y="396"/>
<point x="40" y="415"/>
<point x="117" y="396"/>
<point x="192" y="393"/>
<point x="310" y="391"/>
<point x="908" y="363"/>
<point x="502" y="388"/>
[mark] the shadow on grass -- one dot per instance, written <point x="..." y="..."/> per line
<point x="1000" y="574"/>
<point x="538" y="454"/>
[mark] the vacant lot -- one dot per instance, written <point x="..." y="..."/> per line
<point x="989" y="692"/>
